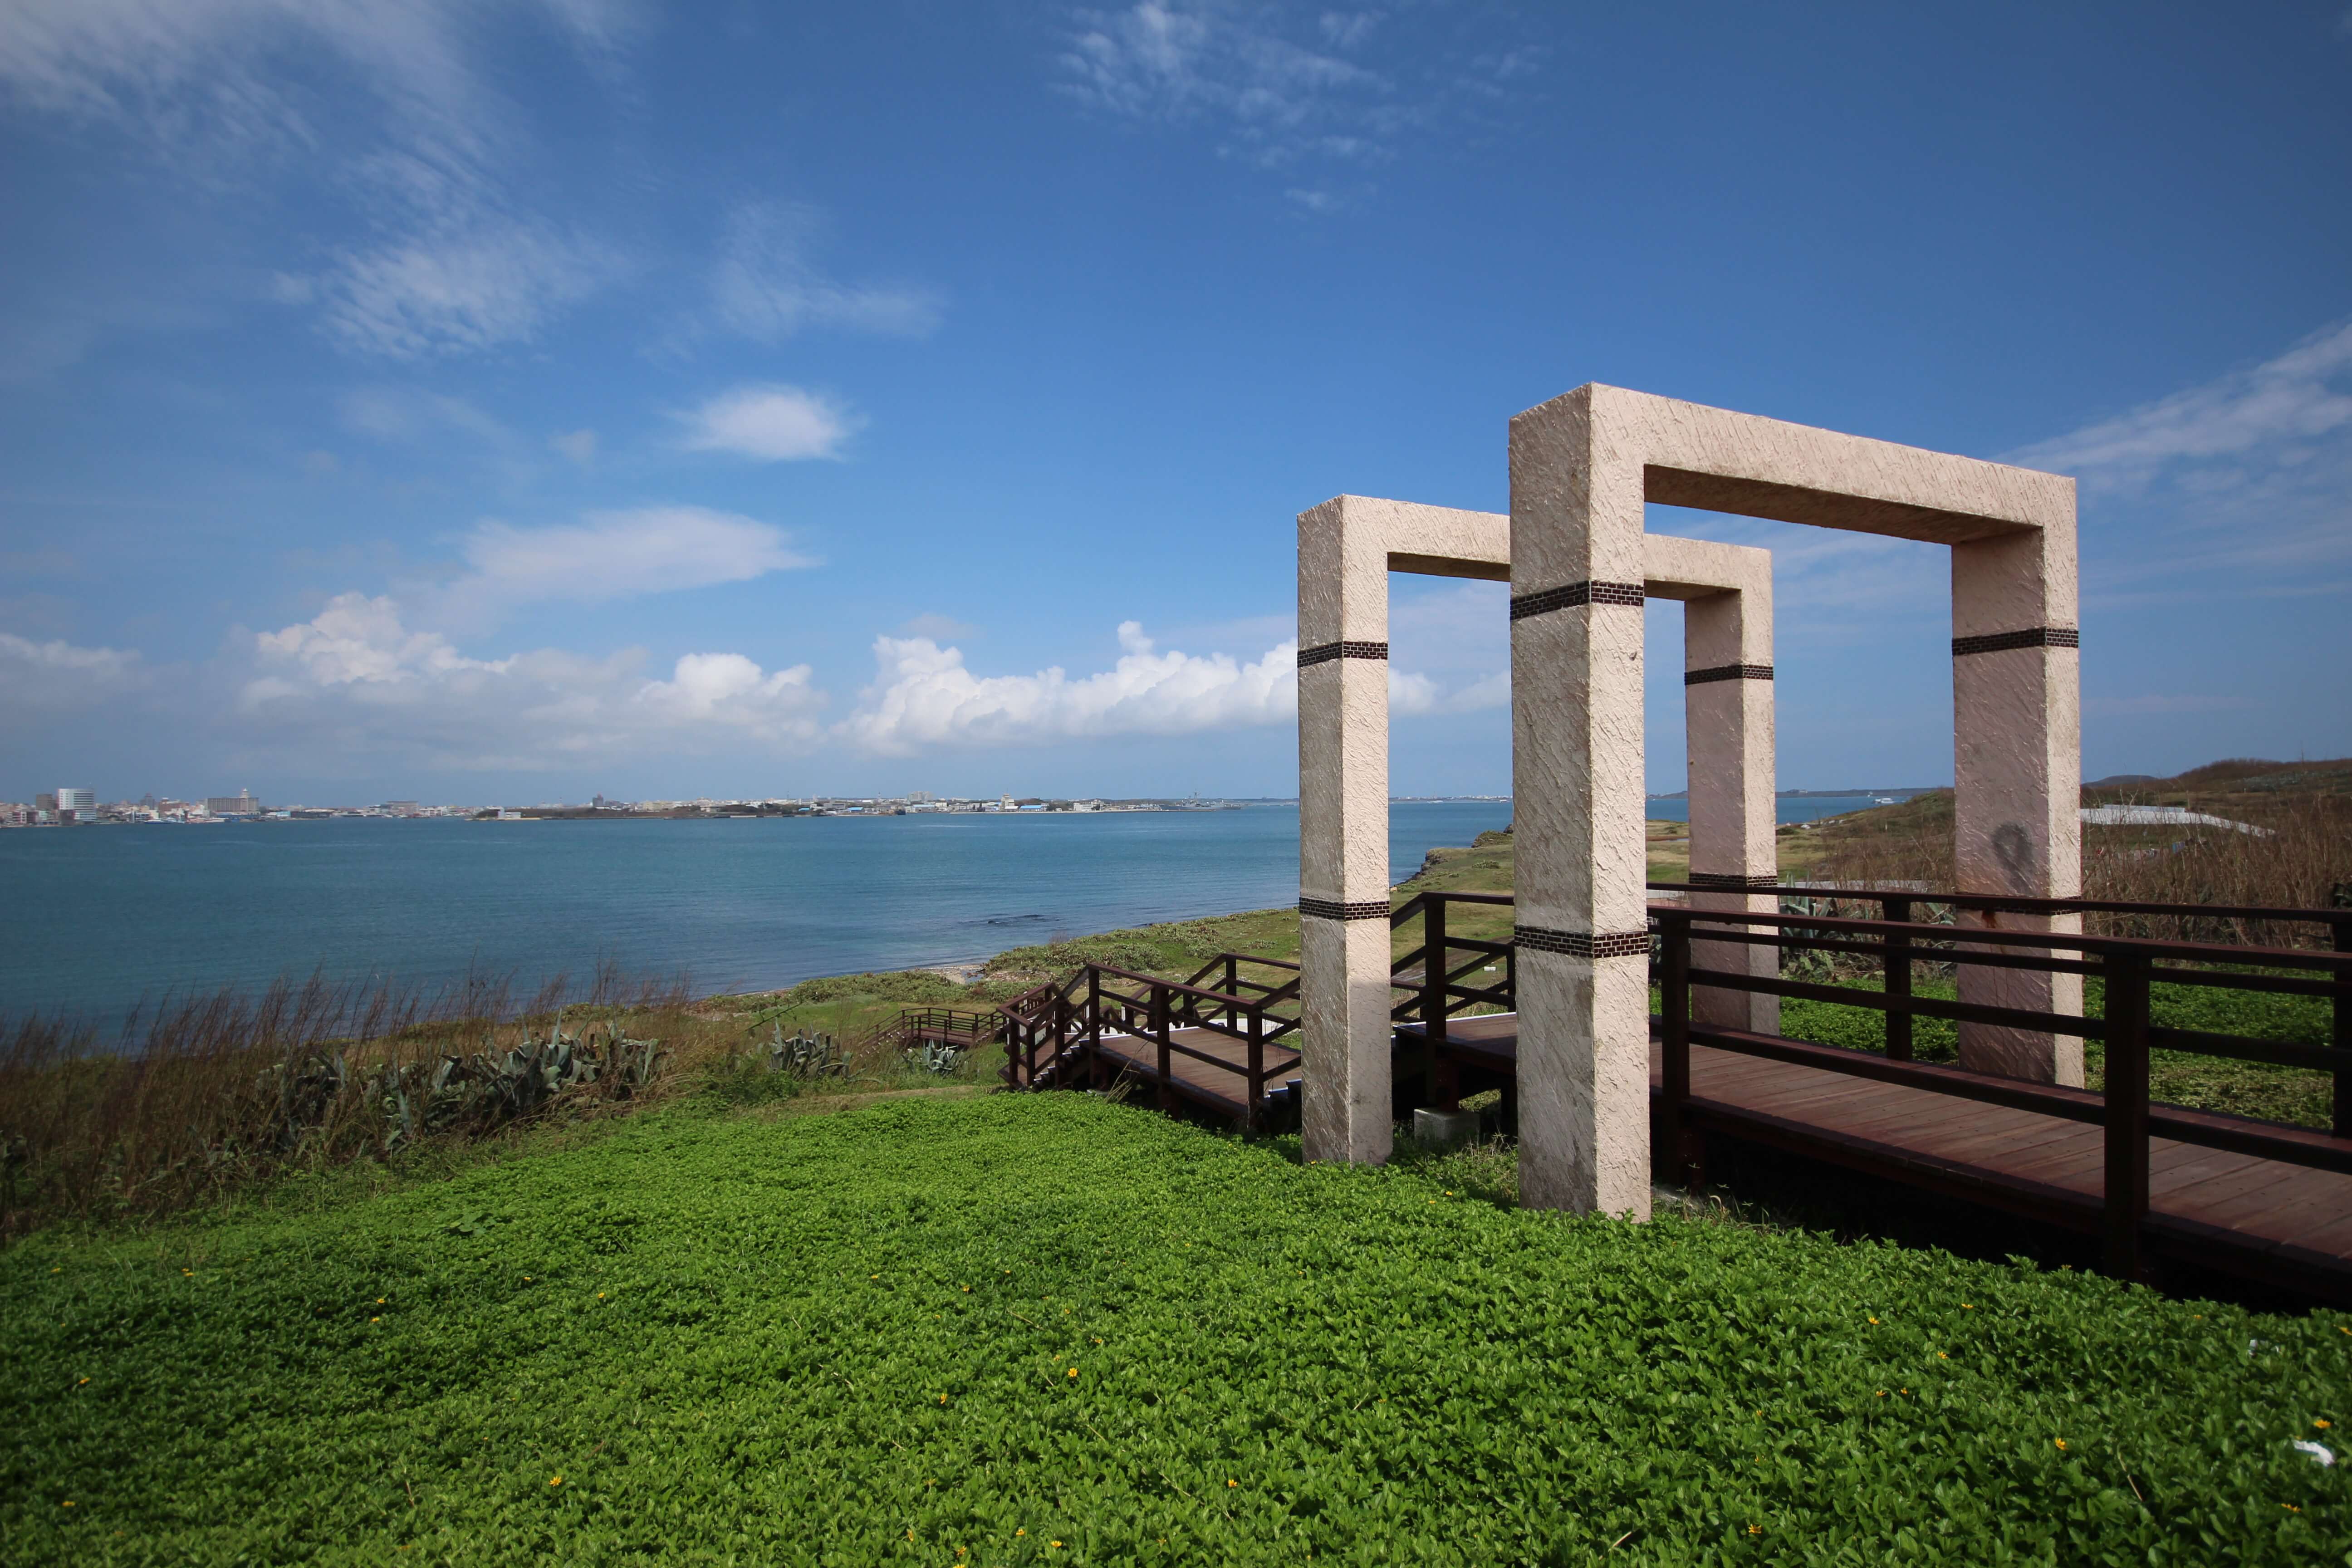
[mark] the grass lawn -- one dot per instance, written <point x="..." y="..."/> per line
<point x="1045" y="1329"/>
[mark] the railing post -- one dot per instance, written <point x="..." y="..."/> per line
<point x="1257" y="1067"/>
<point x="2341" y="1036"/>
<point x="1092" y="1030"/>
<point x="1674" y="1004"/>
<point x="2126" y="1109"/>
<point x="1159" y="1022"/>
<point x="1433" y="997"/>
<point x="1233" y="984"/>
<point x="1898" y="965"/>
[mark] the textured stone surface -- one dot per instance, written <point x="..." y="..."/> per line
<point x="1582" y="466"/>
<point x="1348" y="546"/>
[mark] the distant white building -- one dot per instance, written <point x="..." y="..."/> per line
<point x="241" y="804"/>
<point x="77" y="804"/>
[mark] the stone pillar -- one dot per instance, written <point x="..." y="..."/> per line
<point x="1577" y="577"/>
<point x="2017" y="768"/>
<point x="1343" y="820"/>
<point x="1727" y="720"/>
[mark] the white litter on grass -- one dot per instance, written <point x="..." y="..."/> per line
<point x="2319" y="1451"/>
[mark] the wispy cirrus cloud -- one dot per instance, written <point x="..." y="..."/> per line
<point x="385" y="105"/>
<point x="2284" y="409"/>
<point x="769" y="423"/>
<point x="766" y="285"/>
<point x="1287" y="87"/>
<point x="2243" y="484"/>
<point x="605" y="556"/>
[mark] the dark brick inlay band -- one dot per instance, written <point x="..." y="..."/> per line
<point x="1734" y="881"/>
<point x="1333" y="909"/>
<point x="1323" y="653"/>
<point x="1587" y="592"/>
<point x="1583" y="944"/>
<point x="2033" y="636"/>
<point x="1727" y="672"/>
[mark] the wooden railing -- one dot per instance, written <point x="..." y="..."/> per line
<point x="1898" y="953"/>
<point x="966" y="1029"/>
<point x="1054" y="1033"/>
<point x="2128" y="966"/>
<point x="1428" y="974"/>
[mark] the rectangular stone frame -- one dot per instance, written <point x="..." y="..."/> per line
<point x="1582" y="467"/>
<point x="1347" y="548"/>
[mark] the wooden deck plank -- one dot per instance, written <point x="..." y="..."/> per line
<point x="2020" y="1161"/>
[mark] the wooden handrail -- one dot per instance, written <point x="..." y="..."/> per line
<point x="2122" y="1111"/>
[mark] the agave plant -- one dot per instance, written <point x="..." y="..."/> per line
<point x="802" y="1054"/>
<point x="933" y="1057"/>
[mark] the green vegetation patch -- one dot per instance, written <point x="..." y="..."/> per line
<point x="1049" y="1330"/>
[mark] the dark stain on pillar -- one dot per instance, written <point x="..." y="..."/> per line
<point x="2014" y="847"/>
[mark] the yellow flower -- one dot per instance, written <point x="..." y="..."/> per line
<point x="375" y="1320"/>
<point x="1966" y="1307"/>
<point x="1882" y="1394"/>
<point x="1941" y="1356"/>
<point x="943" y="1399"/>
<point x="79" y="1384"/>
<point x="1755" y="1530"/>
<point x="380" y="1300"/>
<point x="1053" y="1543"/>
<point x="1020" y="1533"/>
<point x="600" y="1295"/>
<point x="1873" y="1319"/>
<point x="1232" y="1483"/>
<point x="555" y="1480"/>
<point x="2323" y="1425"/>
<point x="68" y="1502"/>
<point x="2060" y="1441"/>
<point x="1074" y="1371"/>
<point x="2288" y="1506"/>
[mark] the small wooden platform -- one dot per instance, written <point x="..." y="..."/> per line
<point x="1216" y="1089"/>
<point x="2287" y="1225"/>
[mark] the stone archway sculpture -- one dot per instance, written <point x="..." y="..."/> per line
<point x="1347" y="548"/>
<point x="1582" y="467"/>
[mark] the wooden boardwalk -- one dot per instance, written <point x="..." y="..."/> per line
<point x="2287" y="1225"/>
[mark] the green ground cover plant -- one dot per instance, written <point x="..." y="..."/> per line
<point x="1052" y="1329"/>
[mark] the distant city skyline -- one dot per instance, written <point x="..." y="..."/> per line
<point x="538" y="397"/>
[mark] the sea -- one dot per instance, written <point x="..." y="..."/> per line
<point x="95" y="920"/>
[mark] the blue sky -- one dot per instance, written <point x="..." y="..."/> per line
<point x="504" y="400"/>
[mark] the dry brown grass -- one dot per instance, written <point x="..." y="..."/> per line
<point x="2303" y="860"/>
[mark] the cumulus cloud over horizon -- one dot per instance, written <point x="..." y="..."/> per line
<point x="62" y="676"/>
<point x="924" y="697"/>
<point x="356" y="681"/>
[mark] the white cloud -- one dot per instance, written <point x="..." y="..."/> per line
<point x="2281" y="406"/>
<point x="356" y="682"/>
<point x="2240" y="486"/>
<point x="609" y="555"/>
<point x="769" y="423"/>
<point x="383" y="104"/>
<point x="470" y="279"/>
<point x="580" y="446"/>
<point x="766" y="286"/>
<point x="924" y="698"/>
<point x="1187" y="59"/>
<point x="58" y="675"/>
<point x="1282" y="87"/>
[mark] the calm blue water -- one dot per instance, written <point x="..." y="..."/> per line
<point x="1787" y="808"/>
<point x="94" y="918"/>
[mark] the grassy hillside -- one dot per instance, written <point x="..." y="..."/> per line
<point x="1048" y="1329"/>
